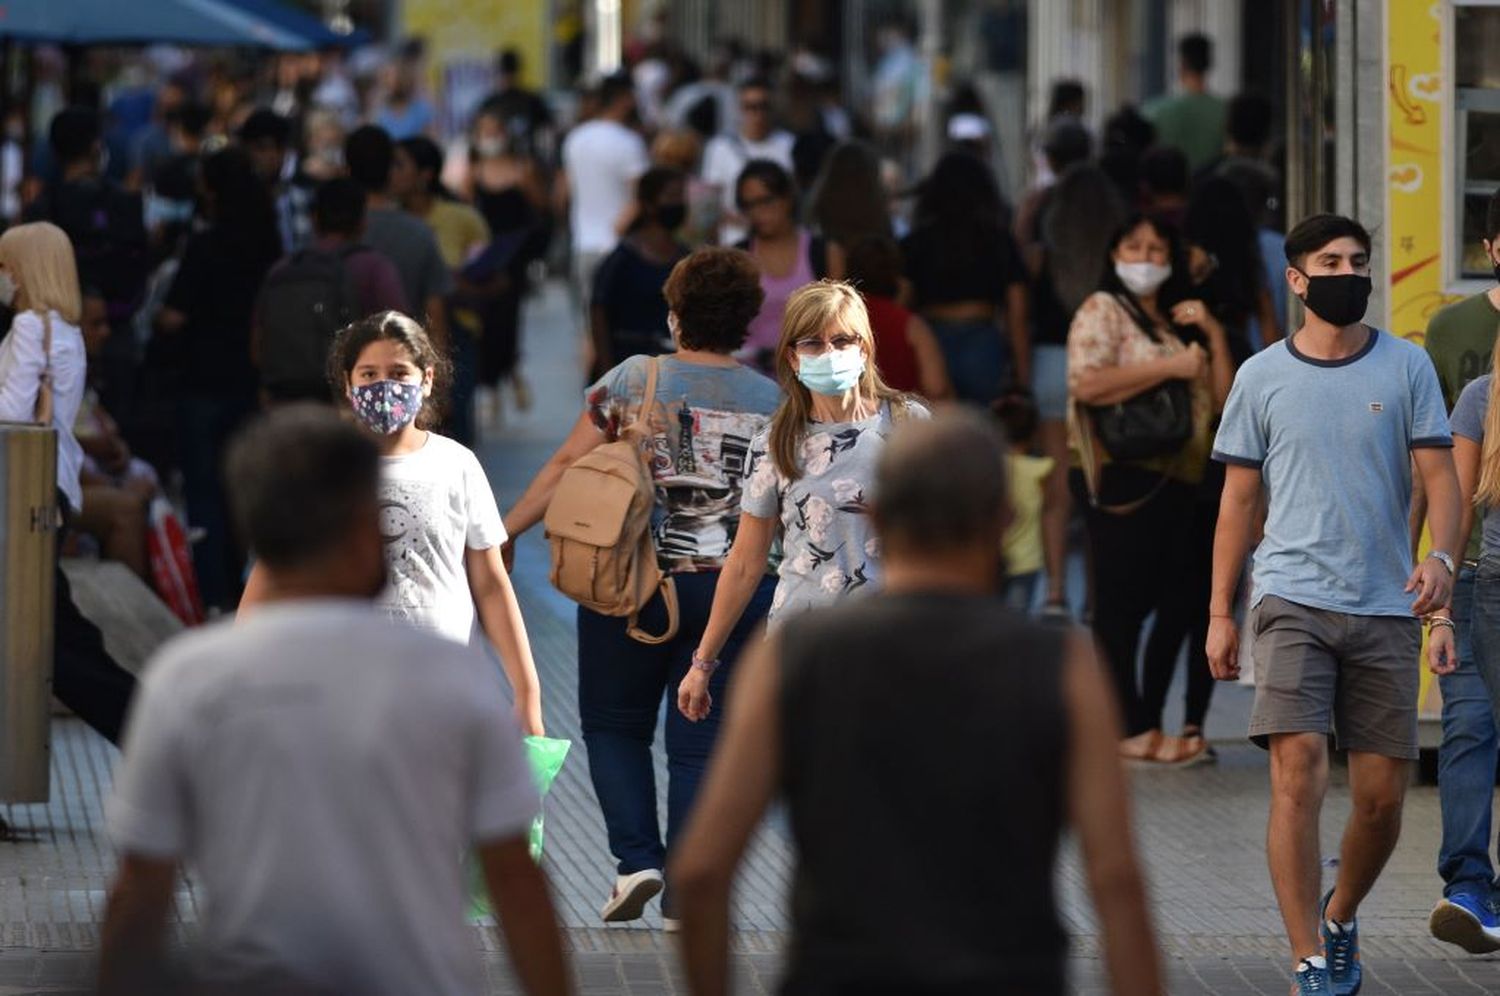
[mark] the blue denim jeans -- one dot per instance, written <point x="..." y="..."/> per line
<point x="978" y="359"/>
<point x="1467" y="758"/>
<point x="621" y="687"/>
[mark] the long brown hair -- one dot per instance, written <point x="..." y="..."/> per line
<point x="808" y="311"/>
<point x="405" y="331"/>
<point x="1488" y="491"/>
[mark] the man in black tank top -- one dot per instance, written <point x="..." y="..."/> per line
<point x="931" y="747"/>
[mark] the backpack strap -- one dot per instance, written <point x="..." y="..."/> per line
<point x="640" y="430"/>
<point x="42" y="412"/>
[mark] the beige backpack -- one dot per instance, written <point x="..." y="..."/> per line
<point x="599" y="526"/>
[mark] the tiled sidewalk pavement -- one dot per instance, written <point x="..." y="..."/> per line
<point x="1200" y="830"/>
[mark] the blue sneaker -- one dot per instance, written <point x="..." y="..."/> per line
<point x="1312" y="978"/>
<point x="1468" y="921"/>
<point x="1341" y="946"/>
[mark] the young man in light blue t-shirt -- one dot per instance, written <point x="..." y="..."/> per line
<point x="1326" y="425"/>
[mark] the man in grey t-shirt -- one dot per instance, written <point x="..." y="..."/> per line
<point x="1326" y="426"/>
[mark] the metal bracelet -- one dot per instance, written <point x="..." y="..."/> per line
<point x="1443" y="621"/>
<point x="707" y="667"/>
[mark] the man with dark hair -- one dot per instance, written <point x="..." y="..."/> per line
<point x="330" y="858"/>
<point x="1165" y="178"/>
<point x="525" y="113"/>
<point x="406" y="240"/>
<point x="343" y="280"/>
<point x="171" y="198"/>
<point x="1325" y="425"/>
<point x="1460" y="341"/>
<point x="1192" y="120"/>
<point x="757" y="137"/>
<point x="816" y="715"/>
<point x="267" y="136"/>
<point x="602" y="158"/>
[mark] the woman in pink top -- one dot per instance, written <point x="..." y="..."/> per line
<point x="788" y="255"/>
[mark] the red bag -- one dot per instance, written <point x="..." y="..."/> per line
<point x="172" y="563"/>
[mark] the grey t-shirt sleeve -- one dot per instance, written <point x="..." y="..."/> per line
<point x="1242" y="434"/>
<point x="1429" y="415"/>
<point x="148" y="808"/>
<point x="1469" y="412"/>
<point x="762" y="493"/>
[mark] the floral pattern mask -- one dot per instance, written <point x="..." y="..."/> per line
<point x="387" y="406"/>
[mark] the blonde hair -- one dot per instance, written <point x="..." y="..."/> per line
<point x="40" y="260"/>
<point x="809" y="311"/>
<point x="1488" y="491"/>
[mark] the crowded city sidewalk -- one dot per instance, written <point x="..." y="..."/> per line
<point x="1200" y="829"/>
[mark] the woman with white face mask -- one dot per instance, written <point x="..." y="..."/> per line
<point x="1127" y="340"/>
<point x="810" y="475"/>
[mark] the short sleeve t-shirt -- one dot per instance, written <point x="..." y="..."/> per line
<point x="1023" y="540"/>
<point x="435" y="506"/>
<point x="1332" y="440"/>
<point x="409" y="243"/>
<point x="829" y="549"/>
<point x="943" y="269"/>
<point x="1460" y="339"/>
<point x="602" y="159"/>
<point x="702" y="427"/>
<point x="1468" y="421"/>
<point x="628" y="286"/>
<point x="306" y="772"/>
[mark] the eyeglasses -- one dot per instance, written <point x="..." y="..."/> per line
<point x="758" y="202"/>
<point x="756" y="106"/>
<point x="817" y="347"/>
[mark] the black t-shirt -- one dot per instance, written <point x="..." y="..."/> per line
<point x="628" y="288"/>
<point x="215" y="287"/>
<point x="945" y="267"/>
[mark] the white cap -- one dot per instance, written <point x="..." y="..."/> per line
<point x="968" y="128"/>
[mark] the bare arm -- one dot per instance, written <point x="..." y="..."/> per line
<point x="500" y="616"/>
<point x="838" y="264"/>
<point x="528" y="922"/>
<point x="169" y="321"/>
<point x="1418" y="517"/>
<point x="741" y="574"/>
<point x="1466" y="453"/>
<point x="532" y="505"/>
<point x="1020" y="333"/>
<point x="1429" y="579"/>
<point x="1238" y="509"/>
<point x="133" y="946"/>
<point x="932" y="369"/>
<point x="740" y="784"/>
<point x="1112" y="384"/>
<point x="1100" y="814"/>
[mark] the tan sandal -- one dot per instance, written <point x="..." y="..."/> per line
<point x="1141" y="748"/>
<point x="1181" y="752"/>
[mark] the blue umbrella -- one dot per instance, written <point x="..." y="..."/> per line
<point x="127" y="22"/>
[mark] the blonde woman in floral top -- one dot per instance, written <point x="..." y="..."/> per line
<point x="1134" y="334"/>
<point x="810" y="474"/>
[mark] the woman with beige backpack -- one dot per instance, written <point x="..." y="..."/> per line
<point x="693" y="413"/>
<point x="43" y="367"/>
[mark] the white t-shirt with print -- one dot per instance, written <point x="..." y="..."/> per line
<point x="435" y="506"/>
<point x="319" y="770"/>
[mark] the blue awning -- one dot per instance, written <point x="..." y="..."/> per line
<point x="302" y="23"/>
<point x="144" y="22"/>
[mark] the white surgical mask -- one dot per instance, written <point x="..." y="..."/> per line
<point x="490" y="148"/>
<point x="1142" y="278"/>
<point x="7" y="288"/>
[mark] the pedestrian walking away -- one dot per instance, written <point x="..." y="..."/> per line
<point x="705" y="410"/>
<point x="1027" y="749"/>
<point x="43" y="374"/>
<point x="811" y="474"/>
<point x="321" y="764"/>
<point x="1140" y="342"/>
<point x="1325" y="427"/>
<point x="442" y="528"/>
<point x="1457" y="337"/>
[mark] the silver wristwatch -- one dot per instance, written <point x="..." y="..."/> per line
<point x="1445" y="559"/>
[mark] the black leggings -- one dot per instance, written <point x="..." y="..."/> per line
<point x="1132" y="554"/>
<point x="1183" y="614"/>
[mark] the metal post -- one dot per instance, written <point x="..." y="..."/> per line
<point x="930" y="121"/>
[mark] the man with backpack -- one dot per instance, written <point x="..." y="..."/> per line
<point x="316" y="291"/>
<point x="107" y="227"/>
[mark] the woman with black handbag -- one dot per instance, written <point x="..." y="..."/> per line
<point x="1146" y="372"/>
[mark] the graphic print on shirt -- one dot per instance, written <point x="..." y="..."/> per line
<point x="422" y="523"/>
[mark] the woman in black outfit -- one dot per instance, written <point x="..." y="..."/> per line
<point x="967" y="278"/>
<point x="208" y="311"/>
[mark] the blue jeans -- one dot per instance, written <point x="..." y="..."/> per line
<point x="205" y="426"/>
<point x="621" y="685"/>
<point x="1467" y="758"/>
<point x="978" y="360"/>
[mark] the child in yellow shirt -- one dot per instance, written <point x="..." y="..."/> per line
<point x="1028" y="474"/>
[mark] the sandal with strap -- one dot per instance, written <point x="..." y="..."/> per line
<point x="1181" y="752"/>
<point x="1141" y="748"/>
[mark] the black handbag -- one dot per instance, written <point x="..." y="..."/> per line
<point x="1157" y="422"/>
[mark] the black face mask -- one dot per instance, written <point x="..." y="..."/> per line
<point x="1339" y="299"/>
<point x="671" y="216"/>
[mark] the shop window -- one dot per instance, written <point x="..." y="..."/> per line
<point x="1476" y="124"/>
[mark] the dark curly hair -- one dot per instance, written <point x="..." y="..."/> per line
<point x="714" y="293"/>
<point x="405" y="331"/>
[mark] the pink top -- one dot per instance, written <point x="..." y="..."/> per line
<point x="765" y="328"/>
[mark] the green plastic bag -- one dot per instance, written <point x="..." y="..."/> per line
<point x="546" y="756"/>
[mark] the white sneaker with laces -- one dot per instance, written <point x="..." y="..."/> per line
<point x="631" y="894"/>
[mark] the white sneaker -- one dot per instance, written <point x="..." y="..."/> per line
<point x="631" y="894"/>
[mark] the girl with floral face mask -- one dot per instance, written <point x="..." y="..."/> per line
<point x="442" y="528"/>
<point x="810" y="473"/>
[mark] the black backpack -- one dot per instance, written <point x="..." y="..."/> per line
<point x="304" y="302"/>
